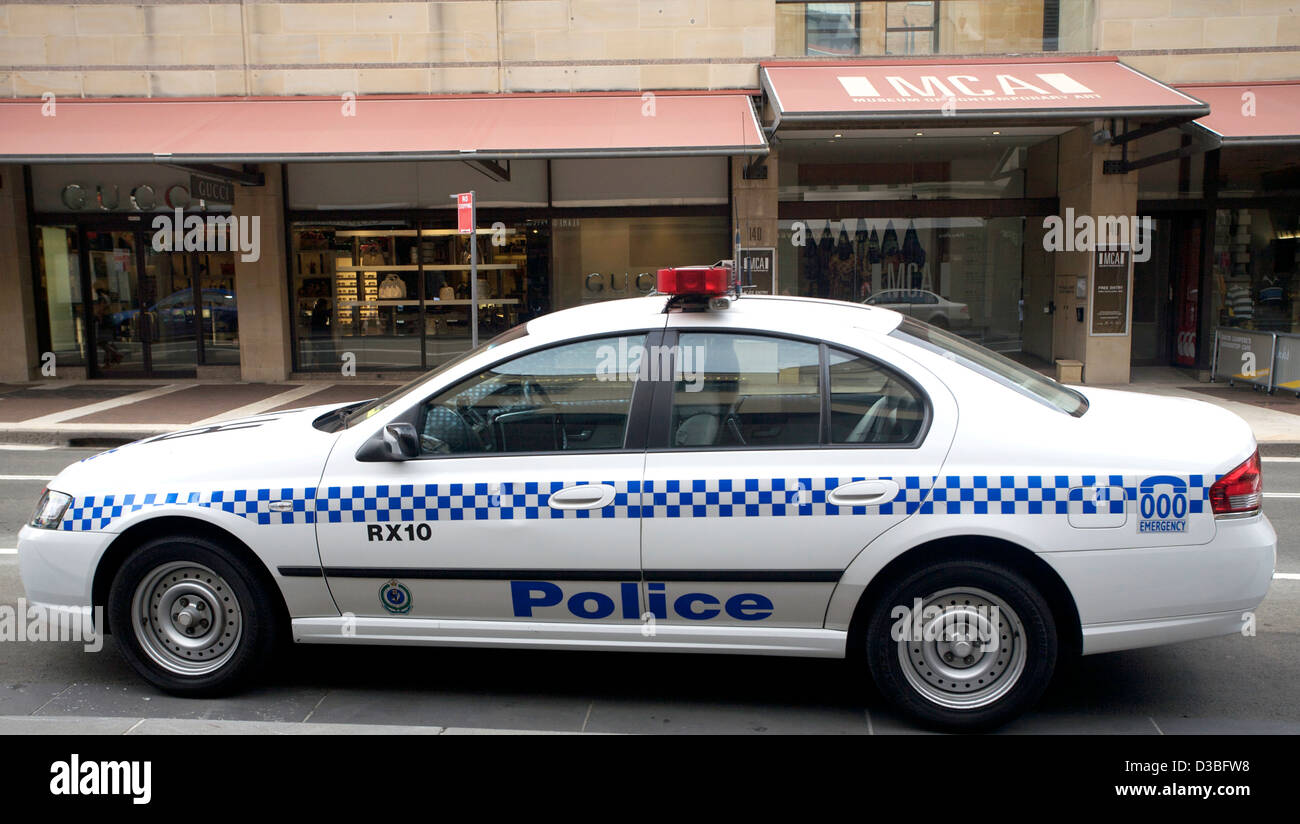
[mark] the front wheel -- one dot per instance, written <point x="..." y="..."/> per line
<point x="191" y="618"/>
<point x="962" y="645"/>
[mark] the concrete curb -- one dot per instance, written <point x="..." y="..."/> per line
<point x="105" y="436"/>
<point x="98" y="725"/>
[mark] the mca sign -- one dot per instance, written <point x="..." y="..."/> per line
<point x="1162" y="504"/>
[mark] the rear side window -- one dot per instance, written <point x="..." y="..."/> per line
<point x="871" y="404"/>
<point x="745" y="390"/>
<point x="992" y="365"/>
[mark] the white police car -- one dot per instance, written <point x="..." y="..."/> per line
<point x="690" y="473"/>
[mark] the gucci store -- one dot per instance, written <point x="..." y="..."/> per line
<point x="359" y="266"/>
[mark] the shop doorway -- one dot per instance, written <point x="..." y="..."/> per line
<point x="147" y="313"/>
<point x="1166" y="292"/>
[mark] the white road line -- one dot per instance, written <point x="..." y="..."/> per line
<point x="8" y="551"/>
<point x="291" y="394"/>
<point x="25" y="477"/>
<point x="1282" y="494"/>
<point x="1280" y="460"/>
<point x="90" y="409"/>
<point x="1286" y="576"/>
<point x="26" y="447"/>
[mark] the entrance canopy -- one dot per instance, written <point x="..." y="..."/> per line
<point x="961" y="92"/>
<point x="465" y="127"/>
<point x="1250" y="114"/>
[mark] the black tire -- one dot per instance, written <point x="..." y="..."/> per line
<point x="923" y="687"/>
<point x="239" y="641"/>
<point x="939" y="321"/>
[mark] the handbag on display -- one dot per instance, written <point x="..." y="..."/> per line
<point x="393" y="288"/>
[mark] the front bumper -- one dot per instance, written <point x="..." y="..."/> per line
<point x="57" y="567"/>
<point x="1145" y="596"/>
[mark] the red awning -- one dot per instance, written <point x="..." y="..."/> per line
<point x="234" y="130"/>
<point x="1250" y="114"/>
<point x="875" y="92"/>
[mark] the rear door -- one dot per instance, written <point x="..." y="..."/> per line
<point x="772" y="462"/>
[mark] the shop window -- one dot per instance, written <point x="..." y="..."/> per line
<point x="745" y="390"/>
<point x="396" y="296"/>
<point x="961" y="273"/>
<point x="1256" y="269"/>
<point x="598" y="259"/>
<point x="60" y="283"/>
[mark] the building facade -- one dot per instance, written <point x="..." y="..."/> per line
<point x="910" y="154"/>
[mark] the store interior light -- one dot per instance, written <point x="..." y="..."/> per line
<point x="920" y="134"/>
<point x="997" y="132"/>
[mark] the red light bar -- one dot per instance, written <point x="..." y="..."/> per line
<point x="694" y="280"/>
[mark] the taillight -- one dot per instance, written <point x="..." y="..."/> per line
<point x="1241" y="490"/>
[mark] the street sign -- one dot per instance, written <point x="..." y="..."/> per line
<point x="465" y="213"/>
<point x="212" y="191"/>
<point x="466" y="221"/>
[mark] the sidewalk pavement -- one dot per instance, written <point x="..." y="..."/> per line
<point x="107" y="412"/>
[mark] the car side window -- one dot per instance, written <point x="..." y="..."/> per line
<point x="870" y="403"/>
<point x="572" y="397"/>
<point x="745" y="390"/>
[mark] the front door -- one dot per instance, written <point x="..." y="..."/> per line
<point x="522" y="506"/>
<point x="773" y="461"/>
<point x="142" y="304"/>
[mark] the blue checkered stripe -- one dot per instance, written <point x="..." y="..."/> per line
<point x="511" y="501"/>
<point x="768" y="497"/>
<point x="700" y="498"/>
<point x="96" y="512"/>
<point x="1046" y="494"/>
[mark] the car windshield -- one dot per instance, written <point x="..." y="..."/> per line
<point x="372" y="407"/>
<point x="992" y="365"/>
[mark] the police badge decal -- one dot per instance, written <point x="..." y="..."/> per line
<point x="395" y="597"/>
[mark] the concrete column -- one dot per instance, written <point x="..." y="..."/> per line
<point x="755" y="203"/>
<point x="1082" y="187"/>
<point x="261" y="286"/>
<point x="19" y="359"/>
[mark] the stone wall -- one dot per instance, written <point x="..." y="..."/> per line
<point x="117" y="48"/>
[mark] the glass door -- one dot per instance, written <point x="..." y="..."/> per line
<point x="117" y="330"/>
<point x="170" y="317"/>
<point x="143" y="307"/>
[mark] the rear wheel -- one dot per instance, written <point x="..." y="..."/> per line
<point x="191" y="618"/>
<point x="962" y="645"/>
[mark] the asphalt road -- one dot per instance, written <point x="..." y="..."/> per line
<point x="1230" y="684"/>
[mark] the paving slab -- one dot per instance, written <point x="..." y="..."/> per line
<point x="340" y="393"/>
<point x="187" y="405"/>
<point x="23" y="402"/>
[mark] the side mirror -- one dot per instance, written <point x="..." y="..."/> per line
<point x="402" y="440"/>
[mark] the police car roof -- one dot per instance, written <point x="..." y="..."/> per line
<point x="758" y="311"/>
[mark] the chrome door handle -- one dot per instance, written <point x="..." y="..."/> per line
<point x="582" y="496"/>
<point x="863" y="493"/>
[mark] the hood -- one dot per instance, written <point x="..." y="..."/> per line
<point x="1182" y="433"/>
<point x="277" y="447"/>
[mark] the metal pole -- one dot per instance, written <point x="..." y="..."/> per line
<point x="1272" y="364"/>
<point x="473" y="271"/>
<point x="1214" y="357"/>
